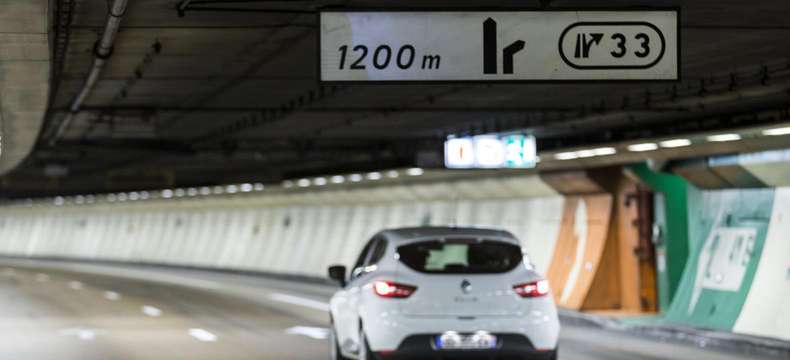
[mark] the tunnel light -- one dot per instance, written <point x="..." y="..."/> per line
<point x="393" y="174"/>
<point x="145" y="195"/>
<point x="675" y="143"/>
<point x="724" y="137"/>
<point x="231" y="189"/>
<point x="571" y="155"/>
<point x="167" y="194"/>
<point x="643" y="147"/>
<point x="134" y="196"/>
<point x="355" y="177"/>
<point x="59" y="200"/>
<point x="777" y="131"/>
<point x="374" y="176"/>
<point x="583" y="154"/>
<point x="79" y="200"/>
<point x="218" y="190"/>
<point x="123" y="197"/>
<point x="415" y="172"/>
<point x="605" y="151"/>
<point x="288" y="184"/>
<point x="337" y="179"/>
<point x="303" y="183"/>
<point x="258" y="187"/>
<point x="192" y="192"/>
<point x="319" y="181"/>
<point x="205" y="190"/>
<point x="180" y="192"/>
<point x="246" y="187"/>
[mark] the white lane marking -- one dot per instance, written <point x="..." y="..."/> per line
<point x="295" y="300"/>
<point x="81" y="333"/>
<point x="202" y="335"/>
<point x="42" y="277"/>
<point x="75" y="285"/>
<point x="151" y="311"/>
<point x="112" y="295"/>
<point x="311" y="332"/>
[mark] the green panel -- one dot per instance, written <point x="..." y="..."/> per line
<point x="672" y="247"/>
<point x="727" y="231"/>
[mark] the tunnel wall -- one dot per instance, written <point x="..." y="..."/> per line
<point x="291" y="233"/>
<point x="286" y="233"/>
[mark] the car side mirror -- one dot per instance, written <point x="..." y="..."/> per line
<point x="338" y="274"/>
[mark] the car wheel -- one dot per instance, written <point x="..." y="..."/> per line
<point x="364" y="348"/>
<point x="335" y="346"/>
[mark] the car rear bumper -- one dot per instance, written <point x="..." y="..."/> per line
<point x="386" y="333"/>
<point x="511" y="347"/>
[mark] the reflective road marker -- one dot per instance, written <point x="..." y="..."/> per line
<point x="202" y="335"/>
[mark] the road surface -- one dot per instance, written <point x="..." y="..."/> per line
<point x="52" y="310"/>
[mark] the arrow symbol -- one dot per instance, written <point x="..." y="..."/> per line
<point x="583" y="44"/>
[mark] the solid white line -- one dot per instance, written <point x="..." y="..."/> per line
<point x="202" y="335"/>
<point x="311" y="332"/>
<point x="295" y="300"/>
<point x="151" y="311"/>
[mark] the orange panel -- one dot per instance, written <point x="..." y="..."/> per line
<point x="580" y="244"/>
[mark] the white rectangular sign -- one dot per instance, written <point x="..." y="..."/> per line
<point x="359" y="46"/>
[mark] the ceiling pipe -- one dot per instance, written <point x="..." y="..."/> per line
<point x="102" y="51"/>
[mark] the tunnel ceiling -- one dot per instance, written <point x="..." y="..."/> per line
<point x="227" y="91"/>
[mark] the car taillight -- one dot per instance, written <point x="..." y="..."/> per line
<point x="394" y="290"/>
<point x="533" y="289"/>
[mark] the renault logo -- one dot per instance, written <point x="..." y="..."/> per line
<point x="466" y="286"/>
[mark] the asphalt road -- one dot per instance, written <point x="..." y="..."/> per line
<point x="51" y="310"/>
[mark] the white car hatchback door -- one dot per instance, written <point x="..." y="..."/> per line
<point x="463" y="277"/>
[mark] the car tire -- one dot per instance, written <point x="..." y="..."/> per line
<point x="335" y="346"/>
<point x="364" y="348"/>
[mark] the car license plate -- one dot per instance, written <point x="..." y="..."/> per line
<point x="456" y="341"/>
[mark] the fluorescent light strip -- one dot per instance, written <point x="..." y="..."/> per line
<point x="675" y="143"/>
<point x="605" y="151"/>
<point x="724" y="137"/>
<point x="566" y="156"/>
<point x="777" y="131"/>
<point x="642" y="147"/>
<point x="415" y="172"/>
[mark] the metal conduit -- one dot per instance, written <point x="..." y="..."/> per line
<point x="102" y="51"/>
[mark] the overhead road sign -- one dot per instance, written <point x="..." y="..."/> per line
<point x="491" y="46"/>
<point x="491" y="152"/>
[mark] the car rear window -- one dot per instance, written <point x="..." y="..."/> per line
<point x="461" y="256"/>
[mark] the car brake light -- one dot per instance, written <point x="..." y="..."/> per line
<point x="390" y="289"/>
<point x="533" y="289"/>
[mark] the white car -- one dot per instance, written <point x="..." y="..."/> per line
<point x="443" y="293"/>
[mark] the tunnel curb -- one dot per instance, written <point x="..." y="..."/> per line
<point x="752" y="346"/>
